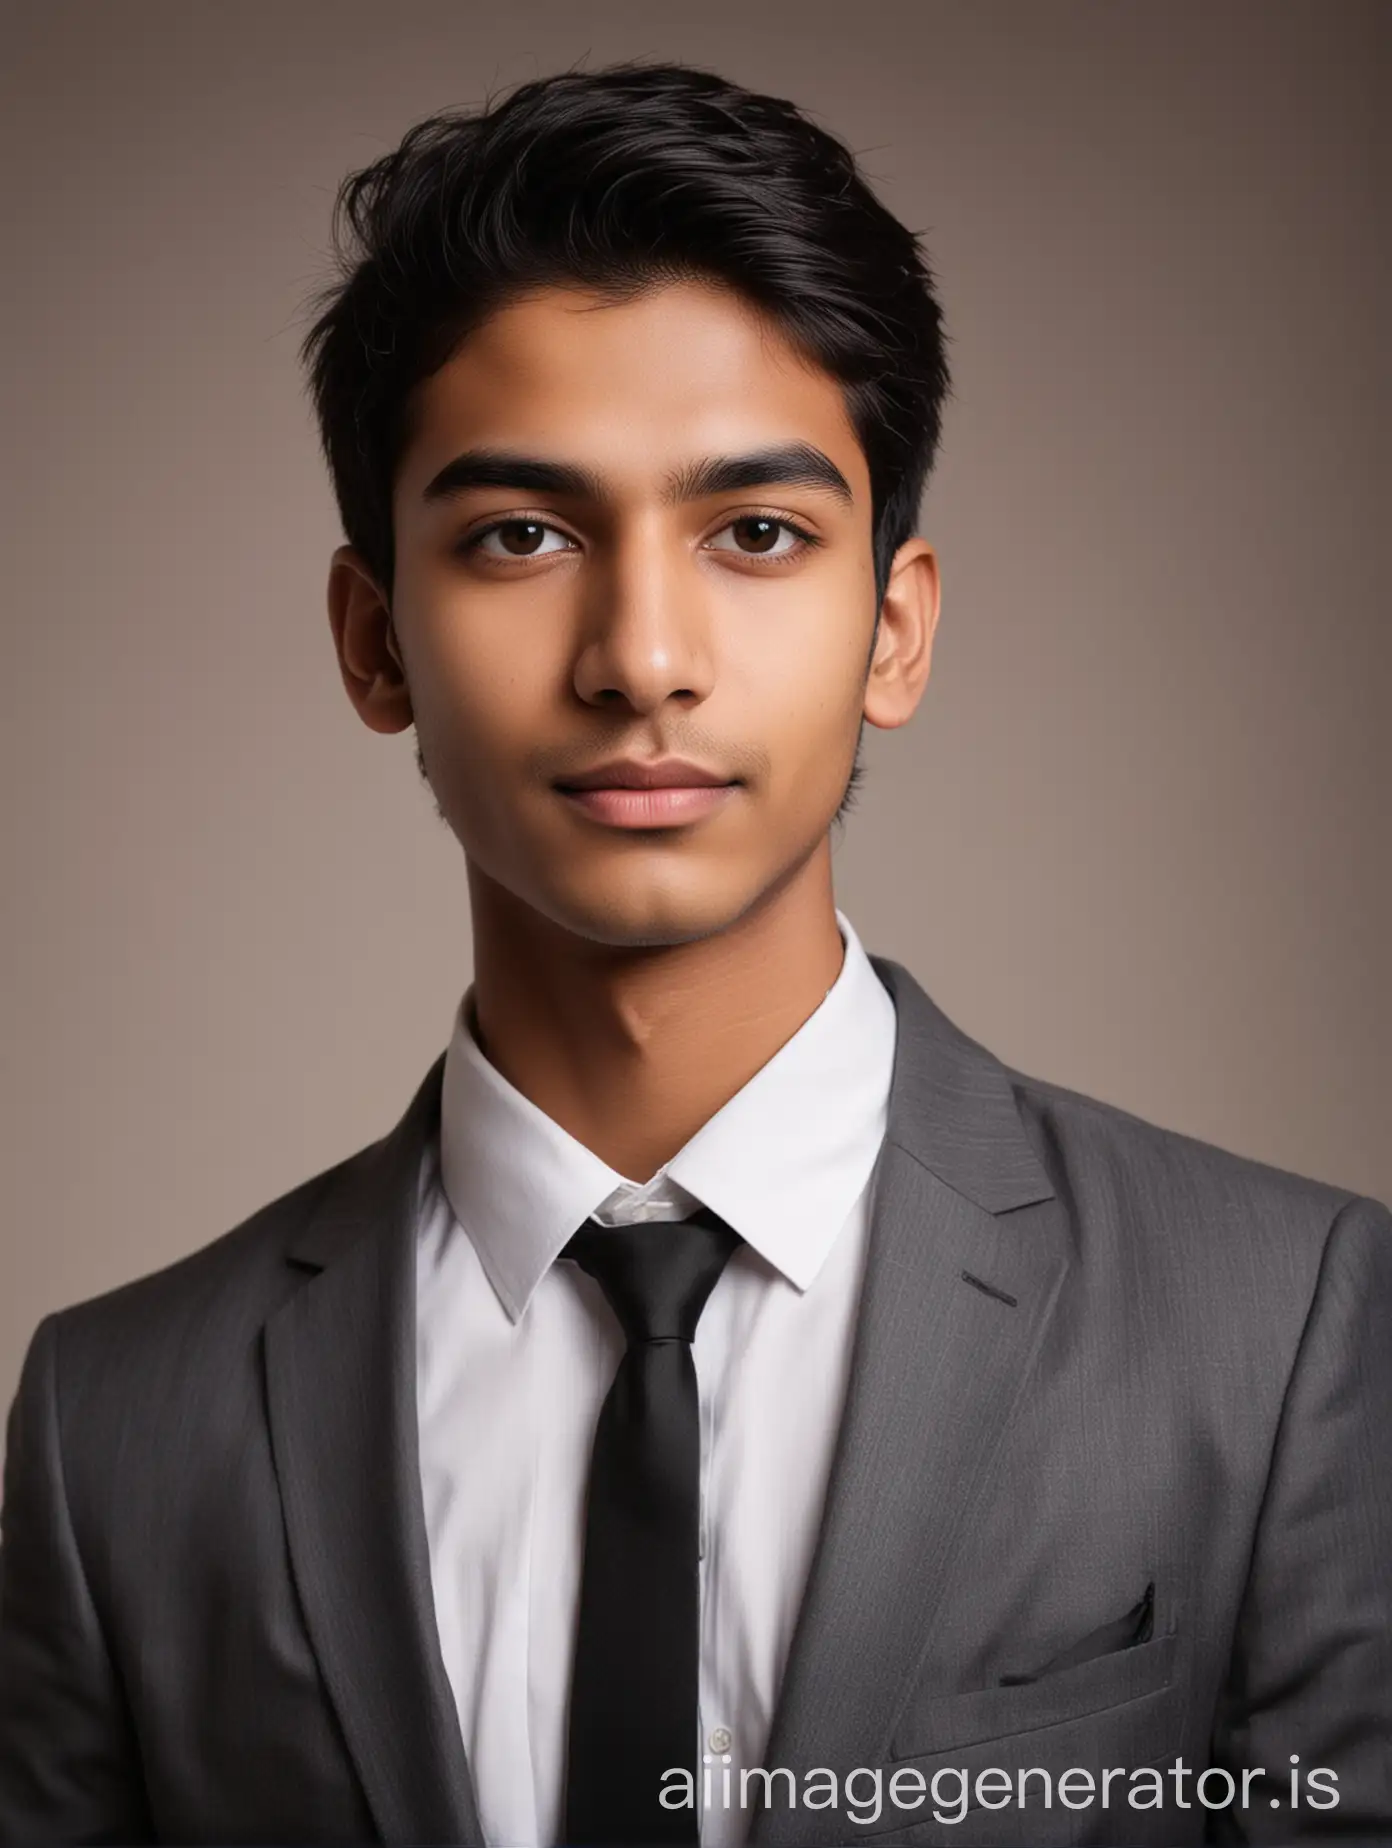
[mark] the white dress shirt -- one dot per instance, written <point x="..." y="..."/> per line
<point x="515" y="1353"/>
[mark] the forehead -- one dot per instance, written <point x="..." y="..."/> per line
<point x="633" y="387"/>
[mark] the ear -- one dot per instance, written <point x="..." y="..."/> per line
<point x="904" y="643"/>
<point x="369" y="654"/>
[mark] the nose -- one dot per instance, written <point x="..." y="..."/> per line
<point x="645" y="634"/>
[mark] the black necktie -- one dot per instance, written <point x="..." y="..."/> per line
<point x="633" y="1699"/>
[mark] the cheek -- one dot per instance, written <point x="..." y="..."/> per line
<point x="476" y="689"/>
<point x="805" y="679"/>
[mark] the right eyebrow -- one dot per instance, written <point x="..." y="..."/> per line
<point x="503" y="468"/>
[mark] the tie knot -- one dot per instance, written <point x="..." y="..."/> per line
<point x="656" y="1275"/>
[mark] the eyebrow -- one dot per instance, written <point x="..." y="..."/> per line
<point x="793" y="465"/>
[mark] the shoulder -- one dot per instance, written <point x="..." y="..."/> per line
<point x="193" y="1315"/>
<point x="1192" y="1195"/>
<point x="1116" y="1173"/>
<point x="188" y="1336"/>
<point x="1222" y="1262"/>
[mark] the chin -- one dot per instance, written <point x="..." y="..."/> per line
<point x="634" y="921"/>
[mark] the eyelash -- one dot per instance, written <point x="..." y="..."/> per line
<point x="806" y="541"/>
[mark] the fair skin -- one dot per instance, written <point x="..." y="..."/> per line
<point x="630" y="979"/>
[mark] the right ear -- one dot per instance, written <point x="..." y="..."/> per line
<point x="369" y="654"/>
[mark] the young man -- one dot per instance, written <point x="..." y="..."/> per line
<point x="730" y="1404"/>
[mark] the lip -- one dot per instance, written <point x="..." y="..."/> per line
<point x="666" y="805"/>
<point x="654" y="773"/>
<point x="662" y="792"/>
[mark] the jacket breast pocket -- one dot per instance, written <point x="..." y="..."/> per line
<point x="948" y="1722"/>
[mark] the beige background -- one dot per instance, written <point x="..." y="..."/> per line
<point x="1138" y="838"/>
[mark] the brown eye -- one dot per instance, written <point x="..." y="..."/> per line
<point x="755" y="534"/>
<point x="520" y="539"/>
<point x="760" y="535"/>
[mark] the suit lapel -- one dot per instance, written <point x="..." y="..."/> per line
<point x="940" y="1360"/>
<point x="340" y="1372"/>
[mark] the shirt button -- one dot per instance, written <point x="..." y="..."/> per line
<point x="721" y="1739"/>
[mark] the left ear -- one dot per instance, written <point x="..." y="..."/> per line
<point x="904" y="644"/>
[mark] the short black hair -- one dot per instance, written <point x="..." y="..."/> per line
<point x="620" y="179"/>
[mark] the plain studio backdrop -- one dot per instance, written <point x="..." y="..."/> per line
<point x="1137" y="839"/>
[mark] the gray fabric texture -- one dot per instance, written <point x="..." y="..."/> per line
<point x="1092" y="1357"/>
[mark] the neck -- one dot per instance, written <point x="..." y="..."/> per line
<point x="632" y="1050"/>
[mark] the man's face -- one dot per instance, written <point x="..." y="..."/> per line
<point x="591" y="570"/>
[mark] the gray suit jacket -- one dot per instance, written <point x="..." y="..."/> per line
<point x="1113" y="1486"/>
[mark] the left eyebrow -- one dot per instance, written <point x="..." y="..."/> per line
<point x="789" y="465"/>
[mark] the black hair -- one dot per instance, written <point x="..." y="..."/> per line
<point x="618" y="179"/>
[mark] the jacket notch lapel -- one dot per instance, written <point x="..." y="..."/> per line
<point x="968" y="1249"/>
<point x="340" y="1380"/>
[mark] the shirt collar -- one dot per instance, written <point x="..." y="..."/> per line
<point x="783" y="1162"/>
